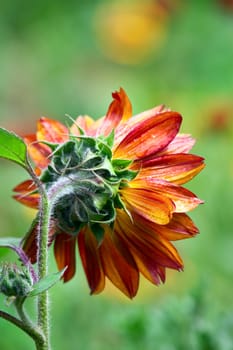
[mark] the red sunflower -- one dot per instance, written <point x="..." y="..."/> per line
<point x="118" y="193"/>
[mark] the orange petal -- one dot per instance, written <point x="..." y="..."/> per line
<point x="88" y="249"/>
<point x="123" y="275"/>
<point x="180" y="227"/>
<point x="38" y="152"/>
<point x="87" y="124"/>
<point x="119" y="110"/>
<point x="52" y="131"/>
<point x="25" y="187"/>
<point x="64" y="251"/>
<point x="150" y="252"/>
<point x="149" y="136"/>
<point x="183" y="199"/>
<point x="176" y="168"/>
<point x="149" y="204"/>
<point x="30" y="200"/>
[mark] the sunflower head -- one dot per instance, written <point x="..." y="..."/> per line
<point x="116" y="191"/>
<point x="83" y="183"/>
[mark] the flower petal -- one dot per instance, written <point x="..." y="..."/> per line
<point x="183" y="199"/>
<point x="149" y="136"/>
<point x="64" y="251"/>
<point x="119" y="110"/>
<point x="38" y="152"/>
<point x="182" y="143"/>
<point x="150" y="252"/>
<point x="121" y="273"/>
<point x="180" y="227"/>
<point x="31" y="200"/>
<point x="149" y="204"/>
<point x="88" y="249"/>
<point x="176" y="168"/>
<point x="87" y="124"/>
<point x="52" y="131"/>
<point x="25" y="187"/>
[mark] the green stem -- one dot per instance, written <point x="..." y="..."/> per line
<point x="32" y="331"/>
<point x="43" y="233"/>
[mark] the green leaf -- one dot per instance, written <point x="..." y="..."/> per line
<point x="12" y="147"/>
<point x="46" y="283"/>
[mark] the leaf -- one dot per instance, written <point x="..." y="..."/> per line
<point x="12" y="147"/>
<point x="46" y="283"/>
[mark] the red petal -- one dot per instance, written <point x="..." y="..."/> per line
<point x="121" y="273"/>
<point x="64" y="251"/>
<point x="119" y="110"/>
<point x="29" y="244"/>
<point x="31" y="200"/>
<point x="149" y="136"/>
<point x="38" y="152"/>
<point x="88" y="249"/>
<point x="25" y="187"/>
<point x="52" y="131"/>
<point x="176" y="168"/>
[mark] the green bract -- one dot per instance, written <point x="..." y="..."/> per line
<point x="15" y="281"/>
<point x="83" y="183"/>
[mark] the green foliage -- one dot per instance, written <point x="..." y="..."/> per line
<point x="12" y="147"/>
<point x="46" y="283"/>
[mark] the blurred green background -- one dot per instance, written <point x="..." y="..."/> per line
<point x="60" y="58"/>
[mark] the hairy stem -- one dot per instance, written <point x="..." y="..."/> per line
<point x="43" y="232"/>
<point x="32" y="331"/>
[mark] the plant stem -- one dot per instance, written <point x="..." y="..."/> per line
<point x="32" y="331"/>
<point x="43" y="232"/>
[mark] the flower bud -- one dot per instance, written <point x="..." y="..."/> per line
<point x="15" y="281"/>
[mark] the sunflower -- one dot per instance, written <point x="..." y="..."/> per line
<point x="116" y="188"/>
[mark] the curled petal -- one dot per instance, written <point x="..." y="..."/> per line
<point x="183" y="199"/>
<point x="176" y="168"/>
<point x="119" y="110"/>
<point x="64" y="251"/>
<point x="149" y="204"/>
<point x="88" y="249"/>
<point x="38" y="152"/>
<point x="149" y="136"/>
<point x="121" y="273"/>
<point x="52" y="131"/>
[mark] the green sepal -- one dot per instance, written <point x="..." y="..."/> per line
<point x="46" y="283"/>
<point x="13" y="148"/>
<point x="98" y="232"/>
<point x="120" y="164"/>
<point x="127" y="175"/>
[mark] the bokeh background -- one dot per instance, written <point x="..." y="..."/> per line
<point x="59" y="58"/>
